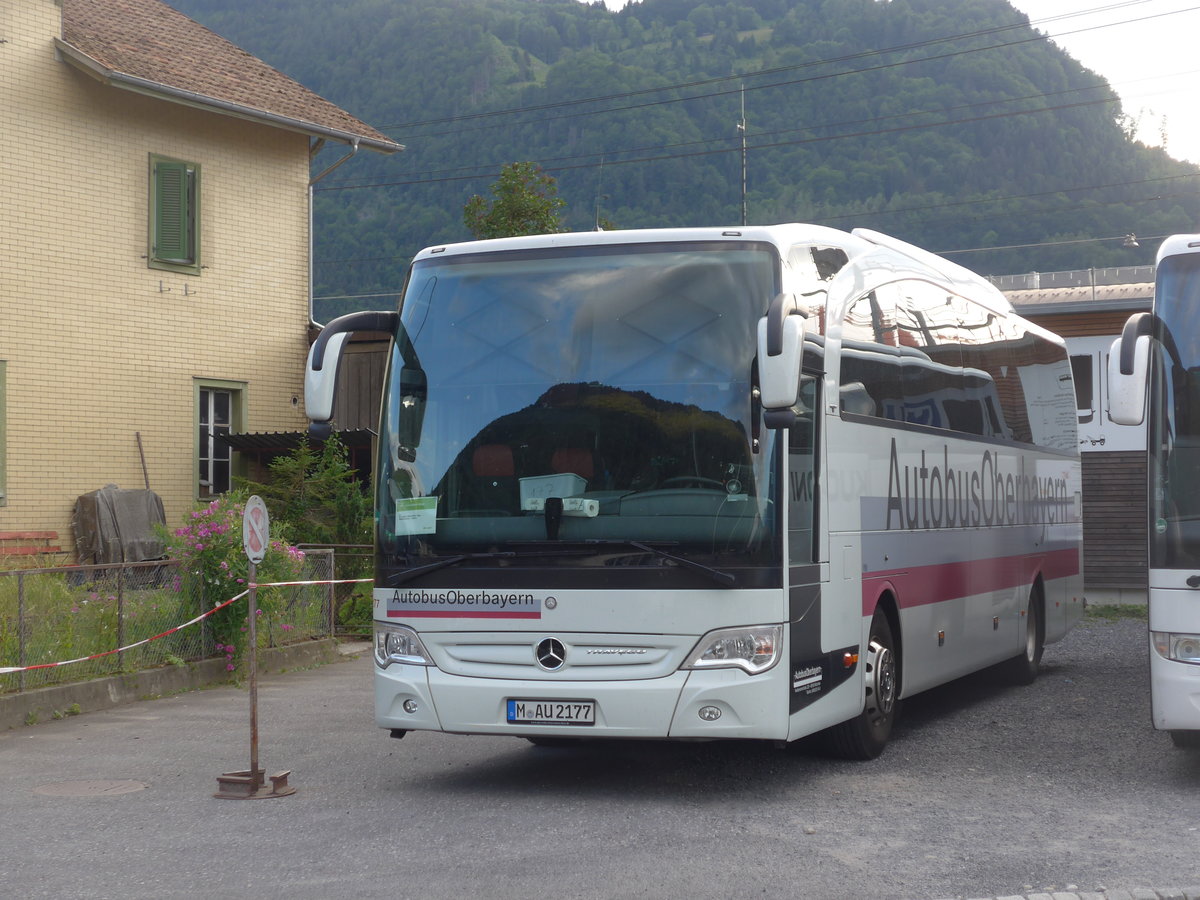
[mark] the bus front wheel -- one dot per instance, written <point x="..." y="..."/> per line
<point x="865" y="736"/>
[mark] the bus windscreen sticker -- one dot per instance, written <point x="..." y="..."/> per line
<point x="417" y="515"/>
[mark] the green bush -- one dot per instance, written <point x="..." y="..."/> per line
<point x="215" y="568"/>
<point x="316" y="496"/>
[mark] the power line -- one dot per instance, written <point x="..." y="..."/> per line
<point x="916" y="45"/>
<point x="772" y="145"/>
<point x="724" y="93"/>
<point x="930" y="208"/>
<point x="981" y="200"/>
<point x="491" y="169"/>
<point x="1098" y="240"/>
<point x="608" y="155"/>
<point x="549" y="161"/>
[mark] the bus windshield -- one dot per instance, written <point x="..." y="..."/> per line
<point x="1175" y="426"/>
<point x="574" y="396"/>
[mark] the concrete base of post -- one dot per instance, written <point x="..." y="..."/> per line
<point x="242" y="786"/>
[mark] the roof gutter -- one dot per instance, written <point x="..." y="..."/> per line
<point x="97" y="70"/>
<point x="1028" y="309"/>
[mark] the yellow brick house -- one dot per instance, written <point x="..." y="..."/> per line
<point x="154" y="252"/>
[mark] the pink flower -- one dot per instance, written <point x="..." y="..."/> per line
<point x="230" y="667"/>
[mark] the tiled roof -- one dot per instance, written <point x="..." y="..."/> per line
<point x="146" y="45"/>
<point x="1082" y="299"/>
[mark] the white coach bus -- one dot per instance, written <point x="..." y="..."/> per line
<point x="1158" y="355"/>
<point x="708" y="484"/>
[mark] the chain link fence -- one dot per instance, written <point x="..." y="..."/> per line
<point x="60" y="614"/>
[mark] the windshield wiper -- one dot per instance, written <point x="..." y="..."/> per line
<point x="443" y="563"/>
<point x="398" y="578"/>
<point x="725" y="579"/>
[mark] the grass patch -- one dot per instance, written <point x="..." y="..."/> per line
<point x="70" y="614"/>
<point x="1113" y="612"/>
<point x="72" y="710"/>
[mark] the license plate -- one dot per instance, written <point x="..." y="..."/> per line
<point x="552" y="712"/>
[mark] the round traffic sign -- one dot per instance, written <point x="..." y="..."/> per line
<point x="256" y="529"/>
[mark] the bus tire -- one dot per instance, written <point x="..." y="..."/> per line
<point x="1023" y="668"/>
<point x="1186" y="740"/>
<point x="865" y="736"/>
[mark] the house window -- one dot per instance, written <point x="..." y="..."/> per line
<point x="219" y="411"/>
<point x="3" y="433"/>
<point x="174" y="215"/>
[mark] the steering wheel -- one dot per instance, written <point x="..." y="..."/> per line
<point x="697" y="480"/>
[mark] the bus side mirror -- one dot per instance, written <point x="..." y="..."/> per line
<point x="320" y="374"/>
<point x="780" y="348"/>
<point x="414" y="390"/>
<point x="320" y="382"/>
<point x="1128" y="372"/>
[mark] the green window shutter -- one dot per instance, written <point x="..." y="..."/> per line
<point x="174" y="213"/>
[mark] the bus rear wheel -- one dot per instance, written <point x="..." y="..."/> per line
<point x="865" y="736"/>
<point x="1023" y="668"/>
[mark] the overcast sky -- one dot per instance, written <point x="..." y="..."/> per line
<point x="1147" y="49"/>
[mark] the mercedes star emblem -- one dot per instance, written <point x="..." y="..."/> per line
<point x="550" y="654"/>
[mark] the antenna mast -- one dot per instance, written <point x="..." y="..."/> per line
<point x="742" y="131"/>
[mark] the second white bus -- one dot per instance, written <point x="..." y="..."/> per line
<point x="1155" y="364"/>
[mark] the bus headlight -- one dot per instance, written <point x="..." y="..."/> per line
<point x="753" y="649"/>
<point x="399" y="644"/>
<point x="1178" y="647"/>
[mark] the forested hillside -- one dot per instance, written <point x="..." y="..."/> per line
<point x="950" y="123"/>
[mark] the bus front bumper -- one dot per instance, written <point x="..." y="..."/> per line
<point x="714" y="704"/>
<point x="1175" y="694"/>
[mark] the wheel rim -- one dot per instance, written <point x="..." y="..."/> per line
<point x="1031" y="634"/>
<point x="881" y="688"/>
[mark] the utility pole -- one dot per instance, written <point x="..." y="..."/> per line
<point x="599" y="196"/>
<point x="742" y="131"/>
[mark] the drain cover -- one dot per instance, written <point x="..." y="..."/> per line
<point x="88" y="788"/>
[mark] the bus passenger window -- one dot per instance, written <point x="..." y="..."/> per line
<point x="870" y="368"/>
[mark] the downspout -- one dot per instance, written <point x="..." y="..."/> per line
<point x="312" y="153"/>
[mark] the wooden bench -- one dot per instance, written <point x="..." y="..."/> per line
<point x="29" y="543"/>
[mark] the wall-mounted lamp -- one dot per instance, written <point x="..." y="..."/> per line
<point x="1130" y="240"/>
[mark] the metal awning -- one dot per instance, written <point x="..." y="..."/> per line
<point x="284" y="441"/>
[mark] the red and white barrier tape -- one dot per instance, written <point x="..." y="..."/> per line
<point x="7" y="670"/>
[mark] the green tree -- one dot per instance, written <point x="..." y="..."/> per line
<point x="525" y="201"/>
<point x="315" y="496"/>
<point x="315" y="492"/>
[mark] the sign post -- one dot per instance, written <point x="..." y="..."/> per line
<point x="256" y="538"/>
